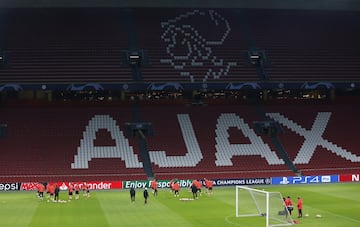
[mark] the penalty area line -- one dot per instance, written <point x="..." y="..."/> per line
<point x="344" y="217"/>
<point x="231" y="222"/>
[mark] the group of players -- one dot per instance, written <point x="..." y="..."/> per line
<point x="53" y="190"/>
<point x="195" y="187"/>
<point x="289" y="205"/>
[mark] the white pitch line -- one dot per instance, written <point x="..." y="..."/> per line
<point x="336" y="215"/>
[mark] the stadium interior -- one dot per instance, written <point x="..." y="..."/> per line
<point x="134" y="90"/>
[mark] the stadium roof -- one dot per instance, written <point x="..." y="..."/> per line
<point x="277" y="4"/>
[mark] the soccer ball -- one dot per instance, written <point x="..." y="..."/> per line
<point x="318" y="216"/>
<point x="306" y="215"/>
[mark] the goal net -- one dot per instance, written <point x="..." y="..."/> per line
<point x="267" y="205"/>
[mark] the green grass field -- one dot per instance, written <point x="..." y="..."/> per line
<point x="339" y="205"/>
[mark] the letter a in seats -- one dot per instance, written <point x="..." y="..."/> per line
<point x="88" y="151"/>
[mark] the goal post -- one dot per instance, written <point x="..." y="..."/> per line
<point x="252" y="202"/>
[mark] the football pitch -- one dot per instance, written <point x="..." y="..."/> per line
<point x="338" y="205"/>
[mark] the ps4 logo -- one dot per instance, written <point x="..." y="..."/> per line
<point x="304" y="179"/>
<point x="284" y="181"/>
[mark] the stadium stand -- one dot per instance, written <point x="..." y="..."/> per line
<point x="321" y="137"/>
<point x="307" y="45"/>
<point x="51" y="137"/>
<point x="181" y="47"/>
<point x="64" y="46"/>
<point x="214" y="141"/>
<point x="87" y="45"/>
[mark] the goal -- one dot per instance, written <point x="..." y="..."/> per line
<point x="270" y="206"/>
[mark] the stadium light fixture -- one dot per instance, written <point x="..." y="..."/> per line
<point x="134" y="58"/>
<point x="2" y="59"/>
<point x="257" y="58"/>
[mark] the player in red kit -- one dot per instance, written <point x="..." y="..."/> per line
<point x="86" y="190"/>
<point x="77" y="189"/>
<point x="289" y="205"/>
<point x="172" y="181"/>
<point x="154" y="187"/>
<point x="198" y="184"/>
<point x="70" y="191"/>
<point x="209" y="185"/>
<point x="41" y="189"/>
<point x="299" y="206"/>
<point x="176" y="188"/>
<point x="52" y="191"/>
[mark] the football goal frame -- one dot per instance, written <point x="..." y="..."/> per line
<point x="264" y="204"/>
